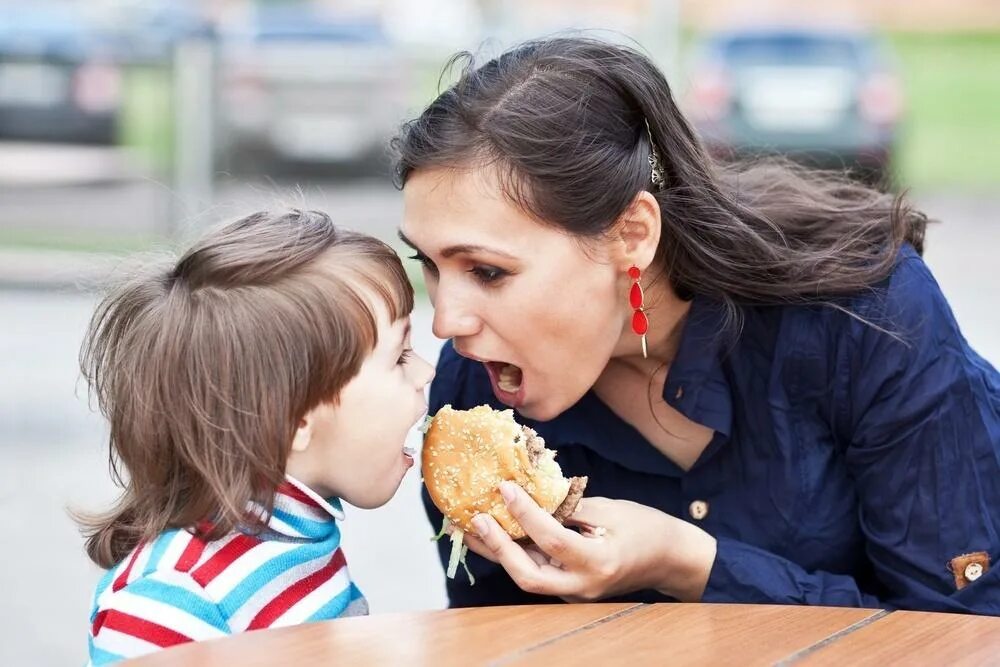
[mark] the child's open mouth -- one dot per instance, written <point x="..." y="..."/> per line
<point x="508" y="382"/>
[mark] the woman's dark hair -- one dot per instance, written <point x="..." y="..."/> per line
<point x="563" y="121"/>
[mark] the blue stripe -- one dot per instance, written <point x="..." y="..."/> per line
<point x="308" y="527"/>
<point x="273" y="569"/>
<point x="102" y="657"/>
<point x="183" y="599"/>
<point x="161" y="544"/>
<point x="336" y="606"/>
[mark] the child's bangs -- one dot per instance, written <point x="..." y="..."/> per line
<point x="385" y="279"/>
<point x="360" y="275"/>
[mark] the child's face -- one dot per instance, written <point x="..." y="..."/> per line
<point x="355" y="447"/>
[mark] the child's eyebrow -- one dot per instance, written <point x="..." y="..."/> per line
<point x="461" y="249"/>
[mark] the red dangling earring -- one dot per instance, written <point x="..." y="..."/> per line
<point x="640" y="322"/>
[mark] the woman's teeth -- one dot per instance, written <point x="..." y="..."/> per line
<point x="509" y="379"/>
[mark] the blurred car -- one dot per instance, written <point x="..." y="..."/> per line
<point x="59" y="76"/>
<point x="826" y="97"/>
<point x="306" y="86"/>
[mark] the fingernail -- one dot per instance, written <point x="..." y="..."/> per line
<point x="508" y="492"/>
<point x="481" y="525"/>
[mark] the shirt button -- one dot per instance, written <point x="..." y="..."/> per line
<point x="698" y="510"/>
<point x="973" y="571"/>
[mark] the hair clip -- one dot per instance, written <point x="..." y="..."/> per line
<point x="655" y="166"/>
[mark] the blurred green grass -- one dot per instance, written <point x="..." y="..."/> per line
<point x="951" y="132"/>
<point x="86" y="241"/>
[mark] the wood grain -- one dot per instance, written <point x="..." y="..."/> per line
<point x="603" y="634"/>
<point x="910" y="638"/>
<point x="699" y="634"/>
<point x="451" y="637"/>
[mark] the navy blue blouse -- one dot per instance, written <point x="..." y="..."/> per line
<point x="848" y="467"/>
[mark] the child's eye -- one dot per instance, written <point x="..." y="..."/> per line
<point x="405" y="357"/>
<point x="426" y="261"/>
<point x="488" y="274"/>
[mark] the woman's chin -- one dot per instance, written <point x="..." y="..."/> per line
<point x="540" y="411"/>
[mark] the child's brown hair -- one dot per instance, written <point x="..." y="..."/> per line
<point x="204" y="367"/>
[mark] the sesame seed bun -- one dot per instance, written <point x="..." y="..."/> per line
<point x="467" y="453"/>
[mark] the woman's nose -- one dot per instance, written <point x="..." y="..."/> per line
<point x="451" y="318"/>
<point x="425" y="373"/>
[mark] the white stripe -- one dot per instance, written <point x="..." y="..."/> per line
<point x="140" y="562"/>
<point x="315" y="600"/>
<point x="279" y="525"/>
<point x="122" y="643"/>
<point x="241" y="568"/>
<point x="295" y="506"/>
<point x="173" y="553"/>
<point x="320" y="500"/>
<point x="286" y="529"/>
<point x="272" y="589"/>
<point x="166" y="615"/>
<point x="109" y="589"/>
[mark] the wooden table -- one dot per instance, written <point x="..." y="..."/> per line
<point x="608" y="634"/>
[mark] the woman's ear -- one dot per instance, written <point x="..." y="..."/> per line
<point x="638" y="232"/>
<point x="304" y="433"/>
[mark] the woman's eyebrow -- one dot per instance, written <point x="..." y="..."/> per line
<point x="402" y="237"/>
<point x="460" y="249"/>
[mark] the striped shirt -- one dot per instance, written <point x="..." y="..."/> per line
<point x="178" y="588"/>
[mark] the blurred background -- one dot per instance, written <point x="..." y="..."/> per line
<point x="127" y="125"/>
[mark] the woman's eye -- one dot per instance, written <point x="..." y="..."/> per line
<point x="488" y="274"/>
<point x="405" y="357"/>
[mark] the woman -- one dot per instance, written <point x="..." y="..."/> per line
<point x="784" y="410"/>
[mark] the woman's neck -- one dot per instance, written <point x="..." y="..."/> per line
<point x="667" y="313"/>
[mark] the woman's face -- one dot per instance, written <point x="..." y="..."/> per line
<point x="540" y="309"/>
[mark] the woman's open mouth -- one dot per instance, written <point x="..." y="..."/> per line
<point x="508" y="382"/>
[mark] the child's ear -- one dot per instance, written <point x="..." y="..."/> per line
<point x="303" y="434"/>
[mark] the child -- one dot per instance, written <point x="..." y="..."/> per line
<point x="250" y="387"/>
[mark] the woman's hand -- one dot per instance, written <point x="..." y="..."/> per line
<point x="622" y="547"/>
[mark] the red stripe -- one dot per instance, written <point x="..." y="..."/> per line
<point x="98" y="622"/>
<point x="154" y="633"/>
<point x="294" y="593"/>
<point x="191" y="554"/>
<point x="223" y="558"/>
<point x="122" y="578"/>
<point x="292" y="491"/>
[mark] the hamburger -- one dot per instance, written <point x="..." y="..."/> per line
<point x="468" y="453"/>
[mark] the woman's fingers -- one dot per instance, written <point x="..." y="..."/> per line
<point x="549" y="535"/>
<point x="538" y="556"/>
<point x="529" y="574"/>
<point x="593" y="512"/>
<point x="477" y="546"/>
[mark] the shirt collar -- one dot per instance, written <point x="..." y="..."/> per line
<point x="301" y="513"/>
<point x="696" y="384"/>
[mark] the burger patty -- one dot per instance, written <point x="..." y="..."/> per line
<point x="568" y="506"/>
<point x="534" y="443"/>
